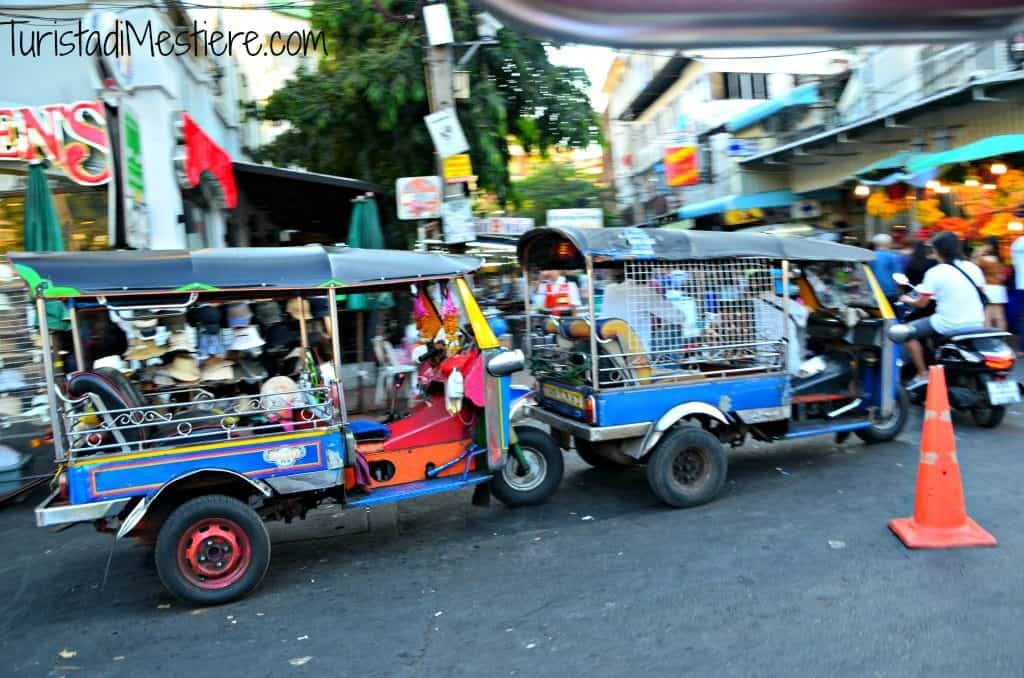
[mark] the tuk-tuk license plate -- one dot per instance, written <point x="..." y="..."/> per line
<point x="1003" y="392"/>
<point x="563" y="395"/>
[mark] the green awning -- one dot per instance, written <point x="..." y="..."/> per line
<point x="989" y="147"/>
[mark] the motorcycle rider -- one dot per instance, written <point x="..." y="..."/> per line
<point x="955" y="286"/>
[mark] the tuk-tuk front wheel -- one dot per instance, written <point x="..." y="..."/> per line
<point x="212" y="550"/>
<point x="688" y="467"/>
<point x="516" y="485"/>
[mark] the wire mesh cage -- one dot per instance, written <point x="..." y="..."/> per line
<point x="663" y="321"/>
<point x="23" y="405"/>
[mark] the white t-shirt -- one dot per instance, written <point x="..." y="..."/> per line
<point x="957" y="302"/>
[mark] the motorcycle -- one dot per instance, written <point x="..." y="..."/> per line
<point x="977" y="362"/>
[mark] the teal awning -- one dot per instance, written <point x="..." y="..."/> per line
<point x="738" y="202"/>
<point x="894" y="163"/>
<point x="804" y="95"/>
<point x="983" y="148"/>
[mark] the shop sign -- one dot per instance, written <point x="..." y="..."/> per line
<point x="457" y="221"/>
<point x="742" y="147"/>
<point x="457" y="169"/>
<point x="590" y="217"/>
<point x="737" y="217"/>
<point x="418" y="197"/>
<point x="503" y="225"/>
<point x="136" y="221"/>
<point x="446" y="132"/>
<point x="68" y="136"/>
<point x="681" y="166"/>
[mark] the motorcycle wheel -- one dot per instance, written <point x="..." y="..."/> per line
<point x="988" y="416"/>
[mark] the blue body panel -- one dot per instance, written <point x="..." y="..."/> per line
<point x="818" y="429"/>
<point x="388" y="495"/>
<point x="143" y="473"/>
<point x="635" y="405"/>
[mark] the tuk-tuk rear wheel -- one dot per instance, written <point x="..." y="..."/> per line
<point x="212" y="550"/>
<point x="688" y="467"/>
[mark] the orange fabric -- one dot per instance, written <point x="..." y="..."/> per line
<point x="940" y="516"/>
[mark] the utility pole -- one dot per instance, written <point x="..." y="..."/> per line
<point x="439" y="62"/>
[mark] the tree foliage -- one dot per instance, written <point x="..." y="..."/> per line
<point x="360" y="113"/>
<point x="559" y="186"/>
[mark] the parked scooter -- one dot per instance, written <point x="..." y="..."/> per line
<point x="977" y="361"/>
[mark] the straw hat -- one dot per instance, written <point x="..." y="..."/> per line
<point x="296" y="310"/>
<point x="246" y="339"/>
<point x="114" y="361"/>
<point x="142" y="349"/>
<point x="279" y="393"/>
<point x="181" y="341"/>
<point x="5" y="303"/>
<point x="217" y="369"/>
<point x="182" y="368"/>
<point x="9" y="406"/>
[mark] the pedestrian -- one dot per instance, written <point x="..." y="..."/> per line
<point x="886" y="263"/>
<point x="987" y="259"/>
<point x="1017" y="257"/>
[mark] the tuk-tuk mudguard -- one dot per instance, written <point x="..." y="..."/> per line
<point x="142" y="473"/>
<point x="498" y="395"/>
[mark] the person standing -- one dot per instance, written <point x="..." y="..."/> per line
<point x="1017" y="257"/>
<point x="995" y="290"/>
<point x="885" y="264"/>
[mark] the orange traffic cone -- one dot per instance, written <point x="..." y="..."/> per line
<point x="940" y="517"/>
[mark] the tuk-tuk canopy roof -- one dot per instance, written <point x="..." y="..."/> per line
<point x="549" y="248"/>
<point x="75" y="274"/>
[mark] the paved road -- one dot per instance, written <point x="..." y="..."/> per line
<point x="791" y="573"/>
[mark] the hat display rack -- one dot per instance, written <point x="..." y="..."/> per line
<point x="23" y="404"/>
<point x="228" y="346"/>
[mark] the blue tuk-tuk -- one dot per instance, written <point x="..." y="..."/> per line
<point x="688" y="341"/>
<point x="199" y="394"/>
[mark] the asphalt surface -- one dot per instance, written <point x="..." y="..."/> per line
<point x="792" y="572"/>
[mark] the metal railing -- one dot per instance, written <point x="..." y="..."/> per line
<point x="669" y="322"/>
<point x="188" y="416"/>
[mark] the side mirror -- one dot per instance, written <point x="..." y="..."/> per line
<point x="900" y="333"/>
<point x="506" y="363"/>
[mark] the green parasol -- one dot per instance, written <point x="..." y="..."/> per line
<point x="42" y="232"/>
<point x="364" y="231"/>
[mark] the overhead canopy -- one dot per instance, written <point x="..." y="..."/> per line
<point x="893" y="163"/>
<point x="711" y="23"/>
<point x="565" y="248"/>
<point x="804" y="95"/>
<point x="988" y="147"/>
<point x="738" y="202"/>
<point x="72" y="274"/>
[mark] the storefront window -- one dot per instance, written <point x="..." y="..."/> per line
<point x="82" y="213"/>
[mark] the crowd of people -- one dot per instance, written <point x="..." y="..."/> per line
<point x="950" y="289"/>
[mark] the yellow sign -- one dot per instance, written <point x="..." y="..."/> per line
<point x="737" y="217"/>
<point x="457" y="168"/>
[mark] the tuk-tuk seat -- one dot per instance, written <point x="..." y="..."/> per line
<point x="615" y="339"/>
<point x="115" y="391"/>
<point x="368" y="429"/>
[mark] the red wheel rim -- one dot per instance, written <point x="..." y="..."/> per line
<point x="214" y="553"/>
